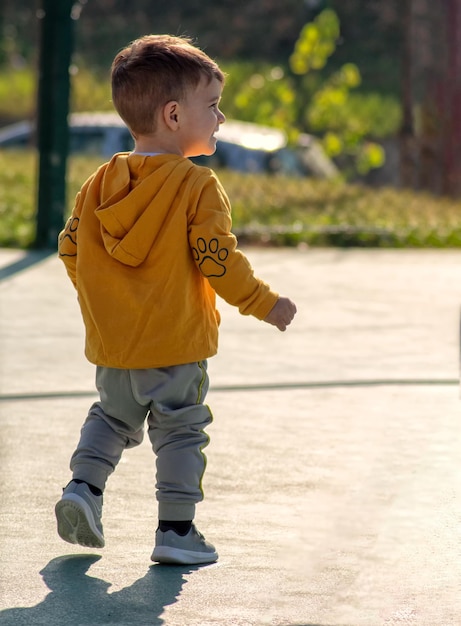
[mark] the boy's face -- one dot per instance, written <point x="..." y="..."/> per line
<point x="200" y="118"/>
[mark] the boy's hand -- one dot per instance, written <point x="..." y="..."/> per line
<point x="281" y="314"/>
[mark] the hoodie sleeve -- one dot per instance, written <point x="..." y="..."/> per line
<point x="67" y="238"/>
<point x="215" y="252"/>
<point x="67" y="246"/>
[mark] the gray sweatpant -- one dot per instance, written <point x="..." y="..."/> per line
<point x="171" y="399"/>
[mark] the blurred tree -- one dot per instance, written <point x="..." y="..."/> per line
<point x="371" y="36"/>
<point x="448" y="101"/>
<point x="18" y="32"/>
<point x="298" y="100"/>
<point x="256" y="30"/>
<point x="431" y="96"/>
<point x="229" y="29"/>
<point x="407" y="130"/>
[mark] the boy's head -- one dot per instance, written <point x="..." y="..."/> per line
<point x="154" y="70"/>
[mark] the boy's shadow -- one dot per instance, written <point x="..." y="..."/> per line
<point x="80" y="600"/>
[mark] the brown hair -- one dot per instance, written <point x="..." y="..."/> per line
<point x="152" y="71"/>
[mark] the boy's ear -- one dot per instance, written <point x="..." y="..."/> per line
<point x="171" y="114"/>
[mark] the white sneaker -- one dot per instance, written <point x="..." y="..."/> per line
<point x="191" y="549"/>
<point x="78" y="514"/>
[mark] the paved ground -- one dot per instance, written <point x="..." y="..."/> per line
<point x="334" y="474"/>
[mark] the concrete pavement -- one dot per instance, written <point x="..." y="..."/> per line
<point x="334" y="470"/>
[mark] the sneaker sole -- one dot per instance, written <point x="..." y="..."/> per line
<point x="175" y="556"/>
<point x="76" y="524"/>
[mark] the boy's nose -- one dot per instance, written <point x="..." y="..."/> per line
<point x="221" y="117"/>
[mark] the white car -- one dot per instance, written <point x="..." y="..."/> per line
<point x="242" y="146"/>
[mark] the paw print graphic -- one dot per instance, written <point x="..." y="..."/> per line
<point x="211" y="257"/>
<point x="68" y="239"/>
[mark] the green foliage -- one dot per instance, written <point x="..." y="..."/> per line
<point x="343" y="127"/>
<point x="260" y="93"/>
<point x="316" y="43"/>
<point x="329" y="108"/>
<point x="329" y="113"/>
<point x="17" y="189"/>
<point x="267" y="209"/>
<point x="17" y="93"/>
<point x="284" y="211"/>
<point x="257" y="31"/>
<point x="267" y="94"/>
<point x="90" y="92"/>
<point x="380" y="116"/>
<point x="297" y="99"/>
<point x="18" y="89"/>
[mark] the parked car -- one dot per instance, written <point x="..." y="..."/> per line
<point x="247" y="147"/>
<point x="241" y="146"/>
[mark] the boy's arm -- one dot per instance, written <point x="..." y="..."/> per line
<point x="227" y="269"/>
<point x="67" y="241"/>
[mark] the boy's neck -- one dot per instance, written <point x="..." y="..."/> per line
<point x="147" y="153"/>
<point x="145" y="144"/>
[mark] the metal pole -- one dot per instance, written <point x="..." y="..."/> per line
<point x="56" y="43"/>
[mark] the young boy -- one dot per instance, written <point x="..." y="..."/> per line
<point x="147" y="247"/>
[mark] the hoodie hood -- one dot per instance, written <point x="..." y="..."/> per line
<point x="136" y="194"/>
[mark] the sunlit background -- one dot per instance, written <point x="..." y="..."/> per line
<point x="357" y="91"/>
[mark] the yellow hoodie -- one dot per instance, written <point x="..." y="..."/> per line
<point x="147" y="246"/>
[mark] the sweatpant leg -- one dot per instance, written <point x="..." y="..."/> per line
<point x="113" y="424"/>
<point x="176" y="424"/>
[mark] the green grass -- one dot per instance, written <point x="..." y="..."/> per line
<point x="268" y="210"/>
<point x="17" y="93"/>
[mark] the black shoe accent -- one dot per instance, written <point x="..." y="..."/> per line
<point x="180" y="527"/>
<point x="94" y="490"/>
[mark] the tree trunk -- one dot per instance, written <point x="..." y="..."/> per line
<point x="407" y="131"/>
<point x="450" y="102"/>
